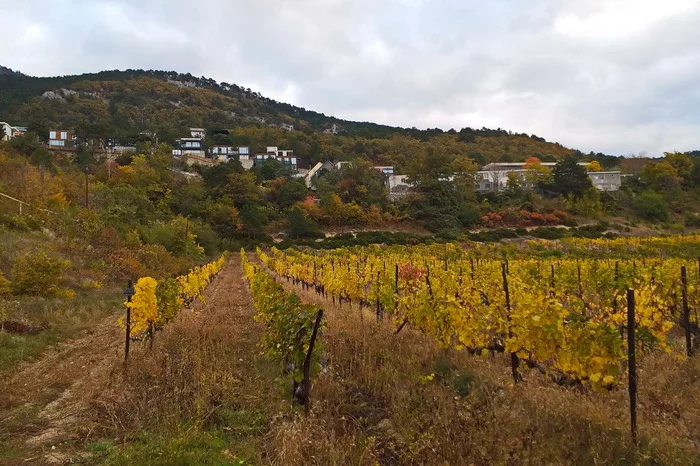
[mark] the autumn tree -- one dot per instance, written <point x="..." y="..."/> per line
<point x="660" y="175"/>
<point x="594" y="166"/>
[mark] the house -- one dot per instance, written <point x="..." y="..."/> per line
<point x="200" y="133"/>
<point x="386" y="170"/>
<point x="606" y="181"/>
<point x="222" y="152"/>
<point x="61" y="139"/>
<point x="119" y="146"/>
<point x="494" y="177"/>
<point x="284" y="156"/>
<point x="320" y="168"/>
<point x="7" y="131"/>
<point x="189" y="146"/>
<point x="398" y="186"/>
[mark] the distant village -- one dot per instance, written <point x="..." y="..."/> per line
<point x="192" y="150"/>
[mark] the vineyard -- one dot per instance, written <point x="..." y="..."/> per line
<point x="152" y="304"/>
<point x="291" y="329"/>
<point x="567" y="318"/>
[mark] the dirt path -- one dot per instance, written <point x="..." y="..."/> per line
<point x="45" y="408"/>
<point x="39" y="402"/>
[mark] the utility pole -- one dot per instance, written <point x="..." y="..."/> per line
<point x="87" y="189"/>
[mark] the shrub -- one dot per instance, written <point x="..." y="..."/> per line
<point x="38" y="274"/>
<point x="651" y="206"/>
<point x="19" y="222"/>
<point x="692" y="220"/>
<point x="4" y="285"/>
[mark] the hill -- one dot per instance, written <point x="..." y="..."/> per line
<point x="124" y="103"/>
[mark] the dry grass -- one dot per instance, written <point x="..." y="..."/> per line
<point x="379" y="399"/>
<point x="204" y="373"/>
<point x="374" y="404"/>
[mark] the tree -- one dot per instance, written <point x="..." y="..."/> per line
<point x="682" y="163"/>
<point x="568" y="177"/>
<point x="537" y="174"/>
<point x="300" y="226"/>
<point x="253" y="220"/>
<point x="660" y="176"/>
<point x="514" y="185"/>
<point x="289" y="193"/>
<point x="594" y="166"/>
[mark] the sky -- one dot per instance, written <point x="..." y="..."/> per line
<point x="615" y="76"/>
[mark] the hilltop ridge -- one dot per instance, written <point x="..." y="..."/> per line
<point x="122" y="103"/>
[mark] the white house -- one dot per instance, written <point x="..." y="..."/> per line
<point x="200" y="133"/>
<point x="398" y="186"/>
<point x="386" y="170"/>
<point x="7" y="131"/>
<point x="494" y="177"/>
<point x="606" y="181"/>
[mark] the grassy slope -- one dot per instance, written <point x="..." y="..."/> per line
<point x="60" y="318"/>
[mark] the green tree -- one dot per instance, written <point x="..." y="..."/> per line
<point x="253" y="220"/>
<point x="300" y="226"/>
<point x="289" y="193"/>
<point x="568" y="177"/>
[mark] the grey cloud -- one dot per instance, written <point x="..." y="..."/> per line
<point x="447" y="63"/>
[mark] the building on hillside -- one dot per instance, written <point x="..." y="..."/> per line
<point x="119" y="146"/>
<point x="494" y="177"/>
<point x="386" y="170"/>
<point x="323" y="167"/>
<point x="189" y="146"/>
<point x="61" y="139"/>
<point x="8" y="131"/>
<point x="398" y="186"/>
<point x="222" y="152"/>
<point x="606" y="181"/>
<point x="200" y="133"/>
<point x="286" y="157"/>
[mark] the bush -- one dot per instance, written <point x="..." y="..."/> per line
<point x="4" y="285"/>
<point x="19" y="222"/>
<point x="37" y="274"/>
<point x="493" y="236"/>
<point x="651" y="206"/>
<point x="692" y="221"/>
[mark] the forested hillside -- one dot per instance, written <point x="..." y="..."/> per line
<point x="125" y="103"/>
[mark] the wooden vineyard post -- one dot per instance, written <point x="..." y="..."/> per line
<point x="128" y="292"/>
<point x="631" y="356"/>
<point x="514" y="360"/>
<point x="552" y="280"/>
<point x="306" y="384"/>
<point x="380" y="314"/>
<point x="686" y="311"/>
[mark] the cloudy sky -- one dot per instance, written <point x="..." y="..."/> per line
<point x="618" y="76"/>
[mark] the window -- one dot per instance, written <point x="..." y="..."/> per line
<point x="52" y="135"/>
<point x="64" y="135"/>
